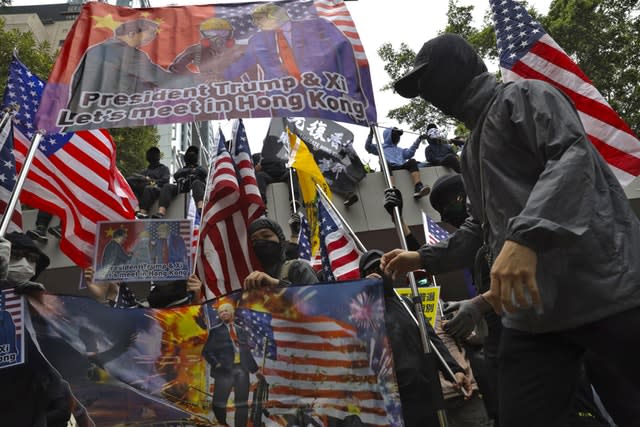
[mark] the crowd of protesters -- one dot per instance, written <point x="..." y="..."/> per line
<point x="546" y="336"/>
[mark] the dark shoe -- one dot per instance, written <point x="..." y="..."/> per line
<point x="141" y="215"/>
<point x="157" y="216"/>
<point x="351" y="199"/>
<point x="39" y="233"/>
<point x="421" y="190"/>
<point x="55" y="231"/>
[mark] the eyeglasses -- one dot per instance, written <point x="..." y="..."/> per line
<point x="31" y="256"/>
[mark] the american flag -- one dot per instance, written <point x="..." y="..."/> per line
<point x="336" y="11"/>
<point x="73" y="175"/>
<point x="195" y="216"/>
<point x="433" y="233"/>
<point x="8" y="177"/>
<point x="528" y="52"/>
<point x="254" y="204"/>
<point x="258" y="325"/>
<point x="304" y="244"/>
<point x="323" y="365"/>
<point x="224" y="259"/>
<point x="339" y="253"/>
<point x="13" y="304"/>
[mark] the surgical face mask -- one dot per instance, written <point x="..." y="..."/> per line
<point x="268" y="252"/>
<point x="21" y="270"/>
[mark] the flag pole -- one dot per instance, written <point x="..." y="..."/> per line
<point x="13" y="200"/>
<point x="415" y="295"/>
<point x="7" y="113"/>
<point x="293" y="193"/>
<point x="363" y="249"/>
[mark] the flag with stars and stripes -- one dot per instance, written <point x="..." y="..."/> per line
<point x="528" y="52"/>
<point x="12" y="317"/>
<point x="73" y="175"/>
<point x="340" y="256"/>
<point x="241" y="155"/>
<point x="304" y="243"/>
<point x="224" y="258"/>
<point x="433" y="233"/>
<point x="8" y="177"/>
<point x="258" y="324"/>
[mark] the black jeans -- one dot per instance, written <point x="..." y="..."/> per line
<point x="224" y="380"/>
<point x="539" y="373"/>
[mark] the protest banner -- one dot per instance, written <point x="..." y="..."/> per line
<point x="149" y="250"/>
<point x="317" y="353"/>
<point x="11" y="328"/>
<point x="429" y="296"/>
<point x="123" y="67"/>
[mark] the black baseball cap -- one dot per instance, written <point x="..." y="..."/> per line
<point x="433" y="52"/>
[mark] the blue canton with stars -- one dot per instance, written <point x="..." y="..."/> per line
<point x="7" y="160"/>
<point x="25" y="90"/>
<point x="327" y="226"/>
<point x="304" y="244"/>
<point x="516" y="31"/>
<point x="241" y="143"/>
<point x="258" y="325"/>
<point x="240" y="18"/>
<point x="438" y="233"/>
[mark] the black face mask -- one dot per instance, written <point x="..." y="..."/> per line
<point x="269" y="253"/>
<point x="455" y="213"/>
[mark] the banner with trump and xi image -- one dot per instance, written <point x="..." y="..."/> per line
<point x="122" y="67"/>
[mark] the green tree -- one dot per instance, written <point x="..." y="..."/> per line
<point x="131" y="143"/>
<point x="131" y="147"/>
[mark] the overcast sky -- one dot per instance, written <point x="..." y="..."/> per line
<point x="377" y="22"/>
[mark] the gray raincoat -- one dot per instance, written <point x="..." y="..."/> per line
<point x="533" y="177"/>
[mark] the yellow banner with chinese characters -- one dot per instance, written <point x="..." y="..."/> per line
<point x="429" y="297"/>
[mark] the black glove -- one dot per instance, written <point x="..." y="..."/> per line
<point x="392" y="198"/>
<point x="294" y="224"/>
<point x="469" y="313"/>
<point x="423" y="137"/>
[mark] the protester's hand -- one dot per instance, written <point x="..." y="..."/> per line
<point x="373" y="276"/>
<point x="194" y="285"/>
<point x="463" y="383"/>
<point x="398" y="262"/>
<point x="294" y="223"/>
<point x="423" y="137"/>
<point x="468" y="315"/>
<point x="260" y="375"/>
<point x="259" y="279"/>
<point x="513" y="279"/>
<point x="88" y="274"/>
<point x="392" y="198"/>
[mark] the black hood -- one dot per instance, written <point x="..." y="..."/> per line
<point x="443" y="68"/>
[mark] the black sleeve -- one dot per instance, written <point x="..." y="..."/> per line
<point x="301" y="273"/>
<point x="455" y="253"/>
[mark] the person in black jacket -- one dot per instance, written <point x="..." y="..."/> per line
<point x="191" y="177"/>
<point x="439" y="152"/>
<point x="147" y="184"/>
<point x="412" y="373"/>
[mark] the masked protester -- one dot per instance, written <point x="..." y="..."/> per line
<point x="191" y="177"/>
<point x="552" y="222"/>
<point x="418" y="391"/>
<point x="33" y="394"/>
<point x="400" y="158"/>
<point x="269" y="245"/>
<point x="147" y="184"/>
<point x="439" y="152"/>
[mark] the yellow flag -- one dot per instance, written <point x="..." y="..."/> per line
<point x="309" y="175"/>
